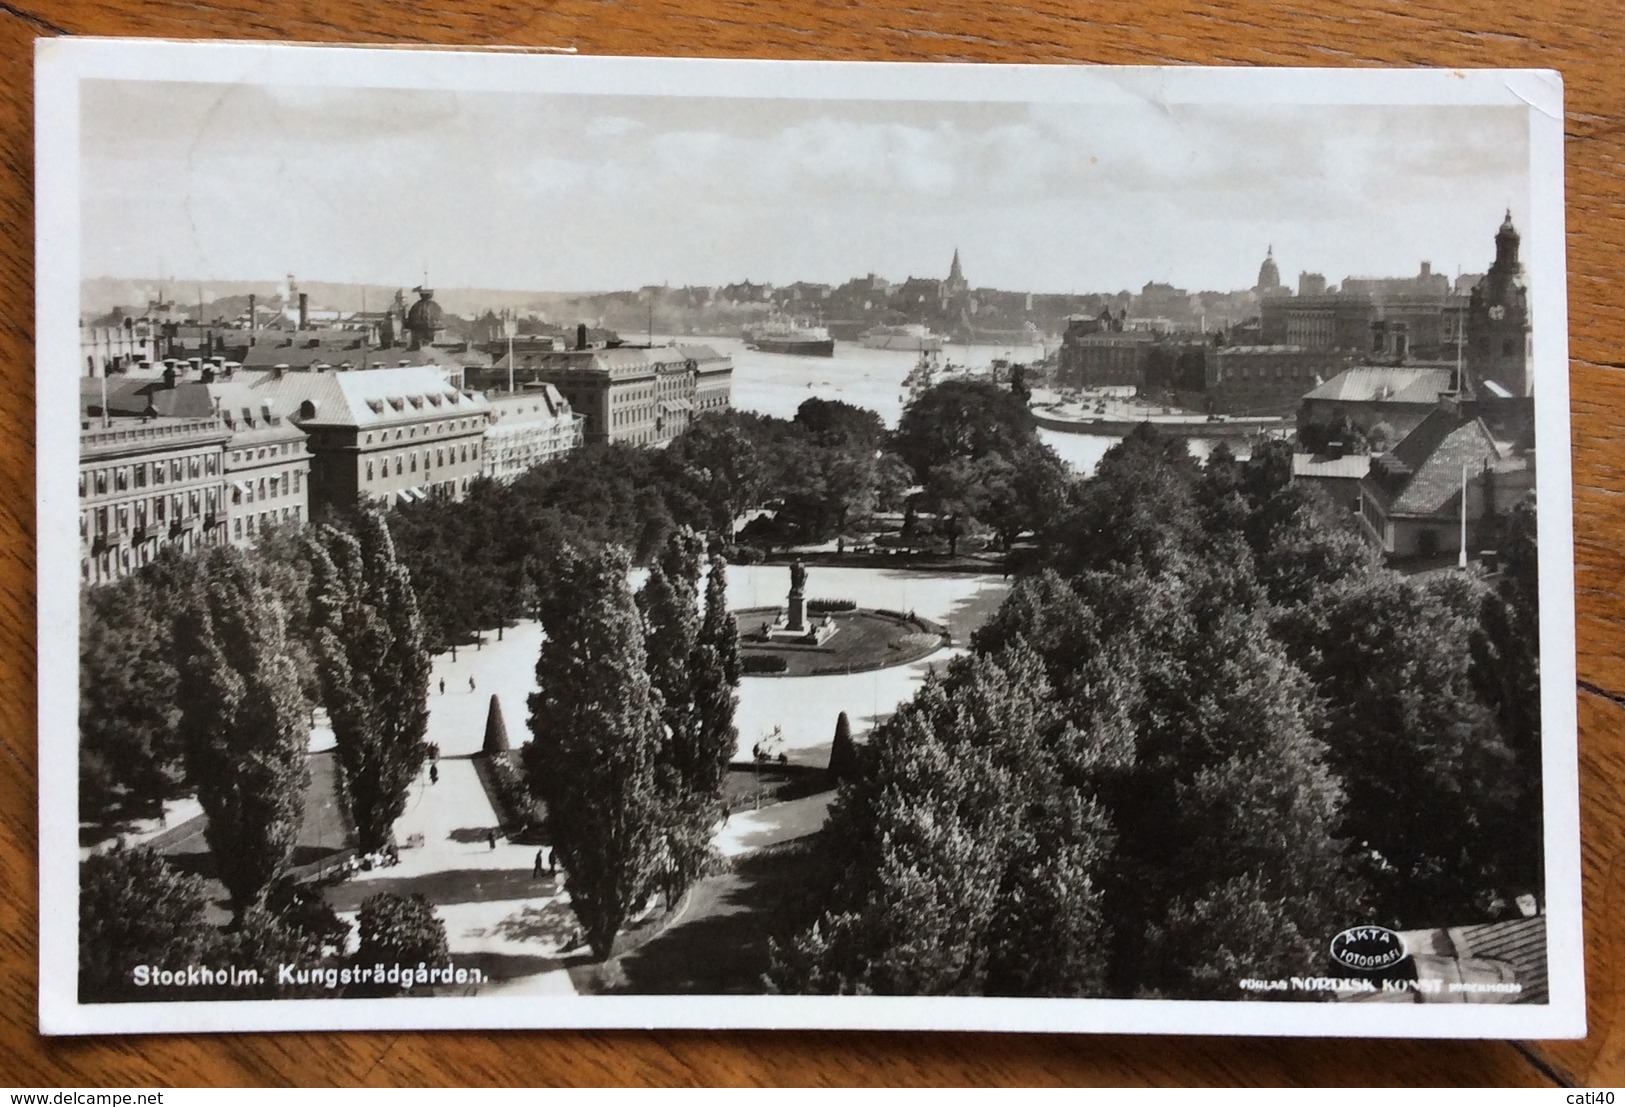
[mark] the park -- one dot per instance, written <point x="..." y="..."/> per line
<point x="515" y="926"/>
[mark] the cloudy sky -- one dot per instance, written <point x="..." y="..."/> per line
<point x="560" y="192"/>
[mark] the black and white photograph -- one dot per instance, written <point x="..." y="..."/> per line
<point x="634" y="542"/>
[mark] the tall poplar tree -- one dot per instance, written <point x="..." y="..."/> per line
<point x="243" y="725"/>
<point x="595" y="729"/>
<point x="669" y="603"/>
<point x="688" y="658"/>
<point x="374" y="670"/>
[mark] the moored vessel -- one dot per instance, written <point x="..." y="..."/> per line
<point x="907" y="336"/>
<point x="780" y="336"/>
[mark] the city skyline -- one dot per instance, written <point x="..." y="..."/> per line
<point x="576" y="193"/>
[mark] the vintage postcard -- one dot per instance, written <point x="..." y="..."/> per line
<point x="635" y="542"/>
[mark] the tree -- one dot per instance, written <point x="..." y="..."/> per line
<point x="374" y="671"/>
<point x="399" y="930"/>
<point x="129" y="750"/>
<point x="595" y="729"/>
<point x="719" y="629"/>
<point x="1427" y="776"/>
<point x="1228" y="799"/>
<point x="1010" y="494"/>
<point x="1505" y="671"/>
<point x="1136" y="512"/>
<point x="136" y="910"/>
<point x="965" y="420"/>
<point x="244" y="725"/>
<point x="725" y="464"/>
<point x="964" y="865"/>
<point x="693" y="666"/>
<point x="669" y="602"/>
<point x="840" y="424"/>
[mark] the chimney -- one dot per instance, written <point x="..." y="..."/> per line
<point x="581" y="336"/>
<point x="253" y="315"/>
<point x="304" y="311"/>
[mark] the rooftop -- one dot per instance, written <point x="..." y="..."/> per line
<point x="367" y="397"/>
<point x="1349" y="466"/>
<point x="1396" y="384"/>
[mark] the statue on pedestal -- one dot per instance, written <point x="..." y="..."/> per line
<point x="796" y="615"/>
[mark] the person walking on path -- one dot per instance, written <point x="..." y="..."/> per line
<point x="442" y="686"/>
<point x="471" y="682"/>
<point x="434" y="774"/>
<point x="536" y="869"/>
<point x="491" y="837"/>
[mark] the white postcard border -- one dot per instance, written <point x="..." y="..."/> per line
<point x="61" y="64"/>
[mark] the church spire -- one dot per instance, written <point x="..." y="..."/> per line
<point x="956" y="276"/>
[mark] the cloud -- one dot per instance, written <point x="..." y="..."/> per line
<point x="614" y="191"/>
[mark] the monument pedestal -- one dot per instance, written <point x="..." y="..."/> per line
<point x="796" y="615"/>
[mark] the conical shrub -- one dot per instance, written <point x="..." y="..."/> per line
<point x="496" y="731"/>
<point x="843" y="755"/>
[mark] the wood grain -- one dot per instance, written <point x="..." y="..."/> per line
<point x="1582" y="38"/>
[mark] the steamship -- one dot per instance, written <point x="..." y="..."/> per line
<point x="780" y="336"/>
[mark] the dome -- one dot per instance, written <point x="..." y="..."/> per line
<point x="425" y="314"/>
<point x="424" y="318"/>
<point x="1269" y="274"/>
<point x="1507" y="231"/>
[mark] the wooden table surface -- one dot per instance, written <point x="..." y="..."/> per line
<point x="1582" y="38"/>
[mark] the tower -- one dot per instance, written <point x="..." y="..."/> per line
<point x="1498" y="323"/>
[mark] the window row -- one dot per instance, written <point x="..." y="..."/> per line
<point x="437" y="459"/>
<point x="412" y="431"/>
<point x="121" y="478"/>
<point x="250" y="524"/>
<point x="145" y="514"/>
<point x="268" y="451"/>
<point x="285" y="484"/>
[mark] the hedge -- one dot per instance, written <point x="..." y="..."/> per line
<point x="823" y="607"/>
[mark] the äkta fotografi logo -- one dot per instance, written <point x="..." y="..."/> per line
<point x="1368" y="948"/>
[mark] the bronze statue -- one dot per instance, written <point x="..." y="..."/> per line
<point x="798" y="577"/>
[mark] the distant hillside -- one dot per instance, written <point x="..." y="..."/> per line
<point x="100" y="295"/>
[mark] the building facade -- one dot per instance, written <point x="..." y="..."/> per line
<point x="638" y="395"/>
<point x="1105" y="359"/>
<point x="116" y="349"/>
<point x="392" y="435"/>
<point x="1452" y="473"/>
<point x="526" y="429"/>
<point x="1268" y="380"/>
<point x="267" y="465"/>
<point x="713" y="378"/>
<point x="145" y="484"/>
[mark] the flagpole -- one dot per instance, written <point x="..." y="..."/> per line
<point x="1462" y="561"/>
